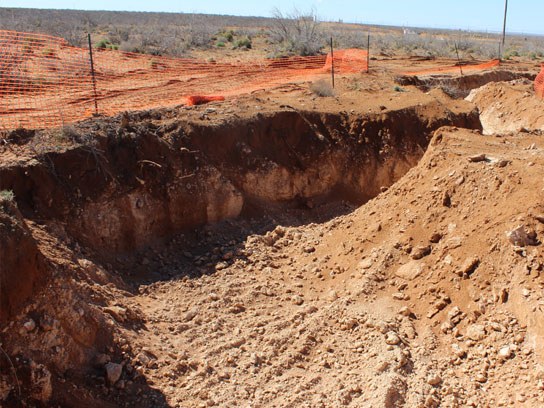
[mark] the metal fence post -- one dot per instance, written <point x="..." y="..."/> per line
<point x="92" y="74"/>
<point x="332" y="63"/>
<point x="368" y="55"/>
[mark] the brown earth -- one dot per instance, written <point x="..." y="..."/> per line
<point x="371" y="249"/>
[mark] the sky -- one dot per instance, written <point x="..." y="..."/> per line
<point x="525" y="16"/>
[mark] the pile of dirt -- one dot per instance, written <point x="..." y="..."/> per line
<point x="507" y="107"/>
<point x="275" y="256"/>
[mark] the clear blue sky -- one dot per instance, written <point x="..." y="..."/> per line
<point x="525" y="16"/>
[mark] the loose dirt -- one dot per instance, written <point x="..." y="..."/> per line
<point x="378" y="248"/>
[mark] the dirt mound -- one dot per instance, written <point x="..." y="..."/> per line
<point x="508" y="107"/>
<point x="277" y="256"/>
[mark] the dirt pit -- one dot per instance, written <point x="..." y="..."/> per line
<point x="263" y="252"/>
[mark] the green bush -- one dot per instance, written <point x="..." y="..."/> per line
<point x="7" y="195"/>
<point x="243" y="43"/>
<point x="103" y="44"/>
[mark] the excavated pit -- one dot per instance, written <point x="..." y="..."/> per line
<point x="151" y="197"/>
<point x="142" y="182"/>
<point x="461" y="86"/>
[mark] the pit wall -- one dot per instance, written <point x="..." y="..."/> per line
<point x="143" y="182"/>
<point x="460" y="87"/>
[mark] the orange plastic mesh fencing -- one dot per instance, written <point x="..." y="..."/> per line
<point x="45" y="82"/>
<point x="457" y="68"/>
<point x="539" y="83"/>
<point x="40" y="77"/>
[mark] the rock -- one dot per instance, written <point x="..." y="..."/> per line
<point x="411" y="270"/>
<point x="421" y="252"/>
<point x="505" y="353"/>
<point x="382" y="367"/>
<point x="435" y="238"/>
<point x="365" y="264"/>
<point x="309" y="249"/>
<point x="477" y="158"/>
<point x="434" y="380"/>
<point x="237" y="308"/>
<point x="221" y="265"/>
<point x="446" y="326"/>
<point x="298" y="300"/>
<point x="333" y="295"/>
<point x="431" y="402"/>
<point x="446" y="199"/>
<point x="476" y="332"/>
<point x="405" y="311"/>
<point x="438" y="306"/>
<point x="469" y="266"/>
<point x="392" y="339"/>
<point x="481" y="378"/>
<point x="540" y="218"/>
<point x="113" y="372"/>
<point x="400" y="296"/>
<point x="118" y="313"/>
<point x="522" y="238"/>
<point x="29" y="325"/>
<point x="144" y="359"/>
<point x="458" y="351"/>
<point x="191" y="314"/>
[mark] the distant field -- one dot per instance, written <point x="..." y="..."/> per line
<point x="214" y="36"/>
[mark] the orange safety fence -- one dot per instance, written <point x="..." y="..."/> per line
<point x="457" y="68"/>
<point x="45" y="82"/>
<point x="539" y="83"/>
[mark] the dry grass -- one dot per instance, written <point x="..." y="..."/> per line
<point x="285" y="33"/>
<point x="322" y="88"/>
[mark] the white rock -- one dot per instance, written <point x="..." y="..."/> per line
<point x="29" y="325"/>
<point x="365" y="264"/>
<point x="411" y="270"/>
<point x="392" y="339"/>
<point x="476" y="332"/>
<point x="505" y="353"/>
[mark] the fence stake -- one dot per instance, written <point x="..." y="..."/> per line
<point x="332" y="63"/>
<point x="459" y="59"/>
<point x="368" y="55"/>
<point x="92" y="74"/>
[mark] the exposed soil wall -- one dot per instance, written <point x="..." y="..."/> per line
<point x="141" y="181"/>
<point x="22" y="266"/>
<point x="460" y="87"/>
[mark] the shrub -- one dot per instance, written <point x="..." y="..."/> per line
<point x="102" y="44"/>
<point x="298" y="33"/>
<point x="322" y="88"/>
<point x="243" y="43"/>
<point x="7" y="195"/>
<point x="220" y="44"/>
